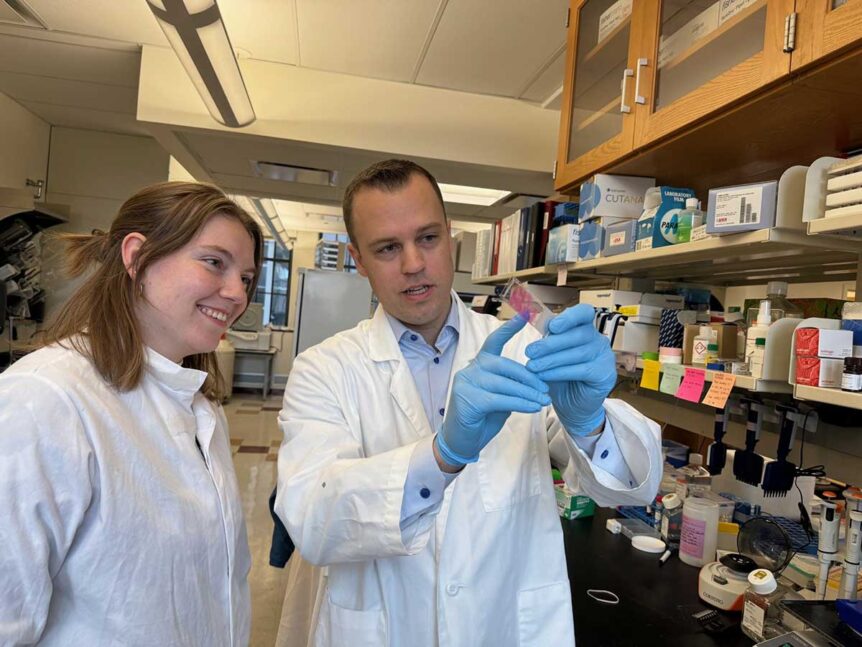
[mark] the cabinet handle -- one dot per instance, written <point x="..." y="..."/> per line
<point x="642" y="62"/>
<point x="626" y="74"/>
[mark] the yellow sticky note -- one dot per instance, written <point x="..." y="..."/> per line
<point x="722" y="384"/>
<point x="649" y="379"/>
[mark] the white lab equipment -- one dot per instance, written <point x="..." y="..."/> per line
<point x="852" y="550"/>
<point x="827" y="544"/>
<point x="699" y="533"/>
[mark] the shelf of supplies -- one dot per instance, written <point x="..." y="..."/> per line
<point x="598" y="114"/>
<point x="838" y="225"/>
<point x="828" y="396"/>
<point x="536" y="273"/>
<point x="715" y="34"/>
<point x="747" y="258"/>
<point x="744" y="381"/>
<point x="607" y="43"/>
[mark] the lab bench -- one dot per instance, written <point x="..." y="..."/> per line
<point x="656" y="603"/>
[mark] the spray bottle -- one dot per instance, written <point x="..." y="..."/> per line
<point x="759" y="329"/>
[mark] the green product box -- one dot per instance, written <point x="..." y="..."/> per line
<point x="570" y="505"/>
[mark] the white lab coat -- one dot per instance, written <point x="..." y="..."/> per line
<point x="113" y="529"/>
<point x="486" y="566"/>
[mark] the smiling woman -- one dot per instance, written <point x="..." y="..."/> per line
<point x="115" y="462"/>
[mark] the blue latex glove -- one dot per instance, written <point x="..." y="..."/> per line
<point x="484" y="394"/>
<point x="579" y="366"/>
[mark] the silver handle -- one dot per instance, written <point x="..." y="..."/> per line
<point x="623" y="107"/>
<point x="642" y="62"/>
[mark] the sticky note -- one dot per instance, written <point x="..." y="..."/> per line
<point x="692" y="385"/>
<point x="671" y="377"/>
<point x="649" y="379"/>
<point x="722" y="384"/>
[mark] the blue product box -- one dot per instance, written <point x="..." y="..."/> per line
<point x="613" y="196"/>
<point x="746" y="207"/>
<point x="620" y="238"/>
<point x="566" y="213"/>
<point x="661" y="229"/>
<point x="591" y="241"/>
<point x="562" y="245"/>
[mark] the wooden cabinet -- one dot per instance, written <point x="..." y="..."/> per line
<point x="640" y="73"/>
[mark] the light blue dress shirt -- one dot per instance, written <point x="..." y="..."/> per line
<point x="431" y="367"/>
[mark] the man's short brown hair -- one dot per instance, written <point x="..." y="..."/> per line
<point x="388" y="175"/>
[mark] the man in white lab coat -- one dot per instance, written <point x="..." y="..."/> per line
<point x="415" y="465"/>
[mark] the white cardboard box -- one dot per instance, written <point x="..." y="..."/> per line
<point x="613" y="17"/>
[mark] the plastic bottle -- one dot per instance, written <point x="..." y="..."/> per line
<point x="762" y="618"/>
<point x="779" y="306"/>
<point x="693" y="476"/>
<point x="711" y="353"/>
<point x="759" y="329"/>
<point x="701" y="345"/>
<point x="755" y="360"/>
<point x="699" y="533"/>
<point x="689" y="218"/>
<point x="671" y="520"/>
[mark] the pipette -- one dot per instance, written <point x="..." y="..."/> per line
<point x="827" y="545"/>
<point x="852" y="550"/>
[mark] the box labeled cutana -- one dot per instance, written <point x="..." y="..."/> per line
<point x="741" y="208"/>
<point x="819" y="371"/>
<point x="618" y="197"/>
<point x="816" y="342"/>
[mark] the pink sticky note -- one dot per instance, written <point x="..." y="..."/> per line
<point x="692" y="385"/>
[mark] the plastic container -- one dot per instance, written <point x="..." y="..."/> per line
<point x="779" y="306"/>
<point x="669" y="355"/>
<point x="759" y="329"/>
<point x="762" y="618"/>
<point x="755" y="359"/>
<point x="688" y="219"/>
<point x="699" y="531"/>
<point x="671" y="520"/>
<point x="700" y="349"/>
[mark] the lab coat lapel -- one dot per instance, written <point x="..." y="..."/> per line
<point x="470" y="339"/>
<point x="383" y="348"/>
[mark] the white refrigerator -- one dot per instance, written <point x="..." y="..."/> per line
<point x="328" y="302"/>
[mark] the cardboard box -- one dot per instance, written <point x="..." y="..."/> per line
<point x="729" y="8"/>
<point x="635" y="336"/>
<point x="562" y="244"/>
<point x="816" y="342"/>
<point x="657" y="227"/>
<point x="746" y="207"/>
<point x="818" y="371"/>
<point x="465" y="251"/>
<point x="727" y="340"/>
<point x="617" y="197"/>
<point x="620" y="238"/>
<point x="591" y="240"/>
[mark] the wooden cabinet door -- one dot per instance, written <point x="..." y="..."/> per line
<point x="597" y="122"/>
<point x="698" y="57"/>
<point x="825" y="27"/>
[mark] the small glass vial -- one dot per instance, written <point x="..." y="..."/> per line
<point x="762" y="618"/>
<point x="671" y="520"/>
<point x="851" y="380"/>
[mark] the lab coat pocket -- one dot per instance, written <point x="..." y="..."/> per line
<point x="545" y="616"/>
<point x="341" y="626"/>
<point x="508" y="467"/>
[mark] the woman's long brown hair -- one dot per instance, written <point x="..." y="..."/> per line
<point x="99" y="319"/>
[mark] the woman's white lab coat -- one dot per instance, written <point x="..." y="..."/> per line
<point x="114" y="531"/>
<point x="487" y="566"/>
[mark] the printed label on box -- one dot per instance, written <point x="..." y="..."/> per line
<point x="729" y="8"/>
<point x="613" y="17"/>
<point x="617" y="238"/>
<point x="739" y="207"/>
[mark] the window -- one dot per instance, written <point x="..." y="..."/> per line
<point x="273" y="289"/>
<point x="337" y="246"/>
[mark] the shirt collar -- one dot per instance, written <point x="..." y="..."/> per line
<point x="452" y="322"/>
<point x="175" y="377"/>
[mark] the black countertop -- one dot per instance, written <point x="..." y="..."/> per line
<point x="656" y="603"/>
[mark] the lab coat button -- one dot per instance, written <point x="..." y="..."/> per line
<point x="605" y="454"/>
<point x="452" y="589"/>
<point x="425" y="493"/>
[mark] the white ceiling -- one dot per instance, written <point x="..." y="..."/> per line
<point x="83" y="71"/>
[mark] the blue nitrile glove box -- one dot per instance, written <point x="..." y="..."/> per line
<point x="620" y="238"/>
<point x="746" y="207"/>
<point x="562" y="245"/>
<point x="613" y="196"/>
<point x="591" y="241"/>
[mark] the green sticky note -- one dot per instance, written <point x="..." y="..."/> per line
<point x="671" y="377"/>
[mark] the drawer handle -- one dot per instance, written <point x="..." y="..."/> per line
<point x="642" y="62"/>
<point x="626" y="74"/>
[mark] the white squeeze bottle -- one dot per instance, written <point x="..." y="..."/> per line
<point x="759" y="329"/>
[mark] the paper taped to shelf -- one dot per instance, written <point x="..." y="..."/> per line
<point x="613" y="17"/>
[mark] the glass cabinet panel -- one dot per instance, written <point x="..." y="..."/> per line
<point x="603" y="34"/>
<point x="701" y="39"/>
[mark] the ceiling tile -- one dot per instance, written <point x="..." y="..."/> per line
<point x="265" y="29"/>
<point x="493" y="48"/>
<point x="125" y="20"/>
<point x="377" y="38"/>
<point x="63" y="92"/>
<point x="549" y="81"/>
<point x="112" y="122"/>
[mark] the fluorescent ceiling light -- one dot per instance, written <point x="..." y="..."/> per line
<point x="267" y="212"/>
<point x="196" y="32"/>
<point x="470" y="194"/>
<point x="290" y="173"/>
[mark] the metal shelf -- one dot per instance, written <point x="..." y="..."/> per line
<point x="748" y="258"/>
<point x="746" y="382"/>
<point x="828" y="396"/>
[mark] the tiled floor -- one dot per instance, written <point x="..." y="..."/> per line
<point x="255" y="438"/>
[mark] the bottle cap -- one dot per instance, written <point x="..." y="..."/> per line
<point x="648" y="355"/>
<point x="762" y="581"/>
<point x="764" y="314"/>
<point x="777" y="287"/>
<point x="760" y="341"/>
<point x="691" y="203"/>
<point x="712" y="347"/>
<point x="671" y="501"/>
<point x="853" y="364"/>
<point x="715" y="366"/>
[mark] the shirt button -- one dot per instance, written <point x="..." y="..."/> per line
<point x="605" y="454"/>
<point x="452" y="589"/>
<point x="425" y="493"/>
<point x="413" y="337"/>
<point x="436" y="360"/>
<point x="442" y="411"/>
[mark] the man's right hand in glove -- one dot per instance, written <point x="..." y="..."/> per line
<point x="484" y="394"/>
